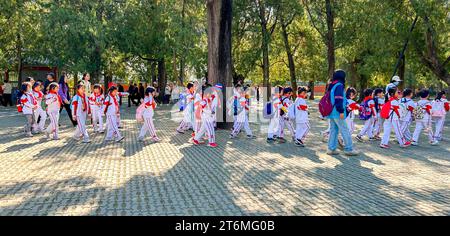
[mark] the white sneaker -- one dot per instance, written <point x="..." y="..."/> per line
<point x="414" y="143"/>
<point x="434" y="143"/>
<point x="86" y="141"/>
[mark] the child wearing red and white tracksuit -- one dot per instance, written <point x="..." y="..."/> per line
<point x="301" y="117"/>
<point x="379" y="100"/>
<point x="405" y="121"/>
<point x="54" y="103"/>
<point x="207" y="121"/>
<point x="274" y="121"/>
<point x="369" y="123"/>
<point x="393" y="121"/>
<point x="197" y="113"/>
<point x="241" y="120"/>
<point x="149" y="108"/>
<point x="284" y="118"/>
<point x="39" y="127"/>
<point x="112" y="111"/>
<point x="352" y="106"/>
<point x="188" y="111"/>
<point x="440" y="107"/>
<point x="81" y="110"/>
<point x="96" y="101"/>
<point x="29" y="105"/>
<point x="425" y="122"/>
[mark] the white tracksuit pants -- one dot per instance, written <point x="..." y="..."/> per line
<point x="302" y="130"/>
<point x="238" y="125"/>
<point x="351" y="125"/>
<point x="420" y="125"/>
<point x="368" y="128"/>
<point x="148" y="127"/>
<point x="377" y="126"/>
<point x="273" y="127"/>
<point x="112" y="128"/>
<point x="81" y="127"/>
<point x="207" y="127"/>
<point x="387" y="126"/>
<point x="41" y="125"/>
<point x="53" y="127"/>
<point x="404" y="129"/>
<point x="439" y="128"/>
<point x="97" y="118"/>
<point x="283" y="122"/>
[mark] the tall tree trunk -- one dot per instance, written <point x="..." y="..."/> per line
<point x="330" y="39"/>
<point x="174" y="66"/>
<point x="19" y="59"/>
<point x="290" y="57"/>
<point x="311" y="86"/>
<point x="354" y="73"/>
<point x="219" y="51"/>
<point x="153" y="72"/>
<point x="401" y="71"/>
<point x="183" y="43"/>
<point x="265" y="49"/>
<point x="162" y="78"/>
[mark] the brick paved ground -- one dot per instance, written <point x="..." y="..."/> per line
<point x="240" y="177"/>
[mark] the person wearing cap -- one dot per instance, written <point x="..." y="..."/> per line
<point x="336" y="88"/>
<point x="395" y="82"/>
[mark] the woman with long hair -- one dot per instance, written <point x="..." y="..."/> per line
<point x="65" y="97"/>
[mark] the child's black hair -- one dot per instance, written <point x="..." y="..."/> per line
<point x="24" y="87"/>
<point x="407" y="92"/>
<point x="287" y="90"/>
<point x="439" y="95"/>
<point x="79" y="86"/>
<point x="37" y="84"/>
<point x="392" y="91"/>
<point x="368" y="92"/>
<point x="349" y="92"/>
<point x="375" y="99"/>
<point x="149" y="90"/>
<point x="302" y="89"/>
<point x="112" y="88"/>
<point x="52" y="86"/>
<point x="189" y="85"/>
<point x="424" y="93"/>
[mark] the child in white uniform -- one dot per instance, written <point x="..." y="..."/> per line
<point x="369" y="110"/>
<point x="207" y="122"/>
<point x="112" y="111"/>
<point x="274" y="121"/>
<point x="39" y="112"/>
<point x="406" y="119"/>
<point x="150" y="105"/>
<point x="440" y="107"/>
<point x="80" y="111"/>
<point x="379" y="100"/>
<point x="29" y="105"/>
<point x="54" y="103"/>
<point x="352" y="106"/>
<point x="241" y="120"/>
<point x="392" y="120"/>
<point x="425" y="121"/>
<point x="96" y="101"/>
<point x="284" y="119"/>
<point x="301" y="117"/>
<point x="188" y="111"/>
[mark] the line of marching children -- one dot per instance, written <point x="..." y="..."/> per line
<point x="95" y="106"/>
<point x="398" y="112"/>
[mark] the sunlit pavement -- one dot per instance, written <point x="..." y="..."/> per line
<point x="239" y="177"/>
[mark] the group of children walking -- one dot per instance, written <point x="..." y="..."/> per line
<point x="199" y="106"/>
<point x="397" y="113"/>
<point x="95" y="106"/>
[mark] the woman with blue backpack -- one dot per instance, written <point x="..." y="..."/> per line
<point x="333" y="107"/>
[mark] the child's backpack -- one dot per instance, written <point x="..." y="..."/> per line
<point x="140" y="112"/>
<point x="268" y="110"/>
<point x="418" y="113"/>
<point x="325" y="105"/>
<point x="403" y="109"/>
<point x="438" y="109"/>
<point x="291" y="111"/>
<point x="182" y="102"/>
<point x="19" y="103"/>
<point x="385" y="111"/>
<point x="365" y="112"/>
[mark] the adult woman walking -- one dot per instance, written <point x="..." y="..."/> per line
<point x="338" y="115"/>
<point x="65" y="97"/>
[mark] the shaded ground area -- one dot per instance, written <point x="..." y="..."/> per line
<point x="240" y="177"/>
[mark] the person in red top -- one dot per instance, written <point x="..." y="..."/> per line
<point x="39" y="112"/>
<point x="369" y="123"/>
